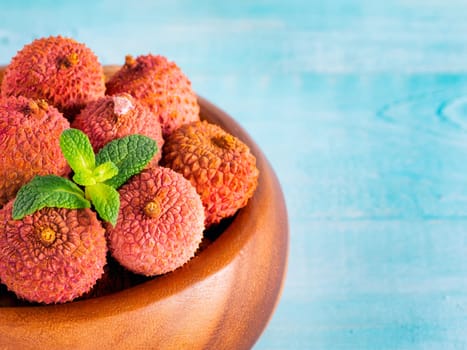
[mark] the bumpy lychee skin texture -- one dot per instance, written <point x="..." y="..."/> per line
<point x="160" y="224"/>
<point x="29" y="143"/>
<point x="116" y="116"/>
<point x="53" y="255"/>
<point x="65" y="73"/>
<point x="219" y="165"/>
<point x="160" y="85"/>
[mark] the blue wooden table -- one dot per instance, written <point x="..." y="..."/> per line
<point x="361" y="107"/>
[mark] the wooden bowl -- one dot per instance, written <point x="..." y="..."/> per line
<point x="221" y="299"/>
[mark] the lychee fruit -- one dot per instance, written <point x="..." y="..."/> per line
<point x="29" y="143"/>
<point x="116" y="116"/>
<point x="160" y="224"/>
<point x="219" y="165"/>
<point x="52" y="256"/>
<point x="65" y="73"/>
<point x="160" y="85"/>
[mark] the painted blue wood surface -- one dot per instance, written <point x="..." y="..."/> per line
<point x="361" y="107"/>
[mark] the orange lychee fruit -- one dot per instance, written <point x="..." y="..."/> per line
<point x="219" y="165"/>
<point x="160" y="224"/>
<point x="62" y="71"/>
<point x="160" y="85"/>
<point x="29" y="143"/>
<point x="112" y="117"/>
<point x="52" y="256"/>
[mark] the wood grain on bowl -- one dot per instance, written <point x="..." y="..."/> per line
<point x="221" y="299"/>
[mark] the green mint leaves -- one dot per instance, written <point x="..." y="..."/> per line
<point x="130" y="155"/>
<point x="48" y="191"/>
<point x="100" y="175"/>
<point x="106" y="201"/>
<point x="77" y="150"/>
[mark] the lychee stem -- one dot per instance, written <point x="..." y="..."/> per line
<point x="152" y="209"/>
<point x="70" y="60"/>
<point x="224" y="141"/>
<point x="42" y="104"/>
<point x="47" y="236"/>
<point x="35" y="106"/>
<point x="129" y="60"/>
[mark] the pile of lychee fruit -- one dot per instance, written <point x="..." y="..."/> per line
<point x="200" y="176"/>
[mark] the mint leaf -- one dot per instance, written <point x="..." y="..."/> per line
<point x="130" y="154"/>
<point x="105" y="200"/>
<point x="105" y="171"/>
<point x="77" y="150"/>
<point x="101" y="173"/>
<point x="84" y="178"/>
<point x="48" y="191"/>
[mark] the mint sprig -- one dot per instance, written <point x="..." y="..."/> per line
<point x="100" y="176"/>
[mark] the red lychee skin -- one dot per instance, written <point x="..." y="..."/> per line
<point x="219" y="165"/>
<point x="160" y="85"/>
<point x="29" y="143"/>
<point x="116" y="116"/>
<point x="49" y="269"/>
<point x="160" y="224"/>
<point x="65" y="73"/>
